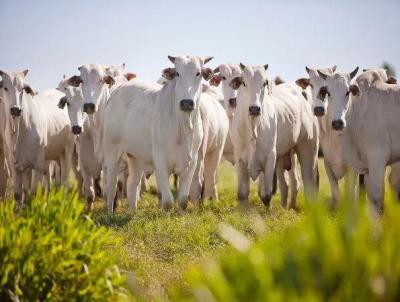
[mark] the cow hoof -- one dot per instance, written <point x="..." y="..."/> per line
<point x="266" y="200"/>
<point x="183" y="205"/>
<point x="167" y="206"/>
<point x="17" y="197"/>
<point x="89" y="204"/>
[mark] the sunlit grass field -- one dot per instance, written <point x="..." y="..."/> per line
<point x="159" y="247"/>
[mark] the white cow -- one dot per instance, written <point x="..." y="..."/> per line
<point x="269" y="123"/>
<point x="215" y="127"/>
<point x="224" y="74"/>
<point x="160" y="129"/>
<point x="43" y="130"/>
<point x="367" y="113"/>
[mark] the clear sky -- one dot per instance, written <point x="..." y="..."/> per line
<point x="51" y="38"/>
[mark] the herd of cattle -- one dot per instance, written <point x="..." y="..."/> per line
<point x="107" y="123"/>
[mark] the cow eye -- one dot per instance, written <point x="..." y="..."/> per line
<point x="177" y="74"/>
<point x="244" y="84"/>
<point x="223" y="78"/>
<point x="197" y="74"/>
<point x="5" y="88"/>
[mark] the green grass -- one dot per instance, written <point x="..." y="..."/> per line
<point x="159" y="247"/>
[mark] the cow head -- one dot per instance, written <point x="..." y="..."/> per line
<point x="223" y="75"/>
<point x="254" y="85"/>
<point x="187" y="74"/>
<point x="95" y="85"/>
<point x="115" y="70"/>
<point x="74" y="100"/>
<point x="15" y="90"/>
<point x="320" y="93"/>
<point x="341" y="91"/>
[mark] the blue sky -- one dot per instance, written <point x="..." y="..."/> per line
<point x="51" y="38"/>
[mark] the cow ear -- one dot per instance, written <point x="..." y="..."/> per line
<point x="62" y="102"/>
<point x="322" y="75"/>
<point x="354" y="90"/>
<point x="216" y="70"/>
<point x="215" y="80"/>
<point x="207" y="59"/>
<point x="123" y="65"/>
<point x="25" y="72"/>
<point x="109" y="80"/>
<point x="29" y="90"/>
<point x="353" y="73"/>
<point x="242" y="66"/>
<point x="303" y="82"/>
<point x="129" y="76"/>
<point x="333" y="68"/>
<point x="391" y="80"/>
<point x="207" y="73"/>
<point x="266" y="66"/>
<point x="172" y="59"/>
<point x="75" y="81"/>
<point x="236" y="82"/>
<point x="169" y="73"/>
<point x="308" y="70"/>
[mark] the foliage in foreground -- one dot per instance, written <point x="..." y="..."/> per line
<point x="50" y="251"/>
<point x="352" y="256"/>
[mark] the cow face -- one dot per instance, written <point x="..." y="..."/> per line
<point x="15" y="90"/>
<point x="223" y="75"/>
<point x="320" y="93"/>
<point x="187" y="74"/>
<point x="95" y="85"/>
<point x="254" y="85"/>
<point x="341" y="91"/>
<point x="115" y="71"/>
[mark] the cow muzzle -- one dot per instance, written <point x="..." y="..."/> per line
<point x="187" y="105"/>
<point x="338" y="125"/>
<point x="319" y="111"/>
<point x="232" y="102"/>
<point x="254" y="110"/>
<point x="15" y="111"/>
<point x="76" y="129"/>
<point x="89" y="108"/>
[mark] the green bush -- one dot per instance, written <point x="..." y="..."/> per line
<point x="350" y="256"/>
<point x="50" y="251"/>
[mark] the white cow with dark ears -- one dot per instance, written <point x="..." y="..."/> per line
<point x="270" y="122"/>
<point x="159" y="128"/>
<point x="366" y="111"/>
<point x="43" y="130"/>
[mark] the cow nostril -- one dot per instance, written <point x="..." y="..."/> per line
<point x="15" y="111"/>
<point x="319" y="111"/>
<point x="254" y="110"/>
<point x="338" y="125"/>
<point x="187" y="105"/>
<point x="232" y="102"/>
<point x="76" y="129"/>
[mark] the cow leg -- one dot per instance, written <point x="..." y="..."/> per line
<point x="3" y="176"/>
<point x="143" y="188"/>
<point x="269" y="171"/>
<point x="307" y="154"/>
<point x="26" y="181"/>
<point x="167" y="199"/>
<point x="283" y="186"/>
<point x="18" y="187"/>
<point x="185" y="180"/>
<point x="198" y="180"/>
<point x="75" y="170"/>
<point x="66" y="162"/>
<point x="333" y="181"/>
<point x="294" y="179"/>
<point x="210" y="174"/>
<point x="243" y="183"/>
<point x="376" y="177"/>
<point x="110" y="173"/>
<point x="134" y="177"/>
<point x="350" y="179"/>
<point x="88" y="188"/>
<point x="37" y="178"/>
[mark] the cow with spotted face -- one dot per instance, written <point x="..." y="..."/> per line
<point x="169" y="143"/>
<point x="269" y="123"/>
<point x="43" y="130"/>
<point x="356" y="106"/>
